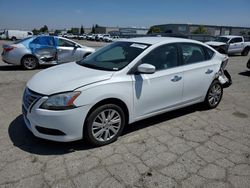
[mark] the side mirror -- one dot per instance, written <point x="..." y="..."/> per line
<point x="146" y="68"/>
<point x="76" y="46"/>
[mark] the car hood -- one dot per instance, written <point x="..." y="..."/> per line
<point x="215" y="43"/>
<point x="66" y="77"/>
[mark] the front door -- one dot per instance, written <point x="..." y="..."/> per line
<point x="161" y="90"/>
<point x="67" y="51"/>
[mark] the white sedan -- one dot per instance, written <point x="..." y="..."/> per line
<point x="119" y="84"/>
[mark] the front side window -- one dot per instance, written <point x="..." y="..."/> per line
<point x="163" y="57"/>
<point x="114" y="57"/>
<point x="65" y="43"/>
<point x="236" y="40"/>
<point x="192" y="53"/>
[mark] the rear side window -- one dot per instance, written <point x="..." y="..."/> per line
<point x="44" y="40"/>
<point x="210" y="53"/>
<point x="192" y="53"/>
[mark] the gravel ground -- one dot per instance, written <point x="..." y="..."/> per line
<point x="184" y="148"/>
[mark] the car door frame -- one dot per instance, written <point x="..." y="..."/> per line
<point x="70" y="51"/>
<point x="137" y="78"/>
<point x="207" y="70"/>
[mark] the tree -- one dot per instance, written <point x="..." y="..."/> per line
<point x="82" y="30"/>
<point x="35" y="31"/>
<point x="44" y="29"/>
<point x="200" y="30"/>
<point x="154" y="30"/>
<point x="93" y="29"/>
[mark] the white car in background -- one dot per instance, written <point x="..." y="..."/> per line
<point x="230" y="44"/>
<point x="121" y="83"/>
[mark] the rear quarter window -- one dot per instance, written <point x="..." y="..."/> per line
<point x="210" y="53"/>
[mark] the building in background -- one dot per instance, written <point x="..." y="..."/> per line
<point x="189" y="29"/>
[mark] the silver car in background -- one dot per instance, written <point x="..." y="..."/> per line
<point x="34" y="51"/>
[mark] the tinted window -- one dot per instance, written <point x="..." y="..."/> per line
<point x="65" y="43"/>
<point x="236" y="40"/>
<point x="210" y="53"/>
<point x="162" y="57"/>
<point x="192" y="53"/>
<point x="114" y="56"/>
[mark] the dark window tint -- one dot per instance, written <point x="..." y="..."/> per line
<point x="192" y="53"/>
<point x="65" y="43"/>
<point x="236" y="40"/>
<point x="163" y="57"/>
<point x="210" y="53"/>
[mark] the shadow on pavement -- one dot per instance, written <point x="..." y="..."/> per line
<point x="25" y="140"/>
<point x="246" y="73"/>
<point x="20" y="68"/>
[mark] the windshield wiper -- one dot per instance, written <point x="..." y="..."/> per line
<point x="94" y="66"/>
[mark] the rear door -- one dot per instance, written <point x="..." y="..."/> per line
<point x="44" y="48"/>
<point x="67" y="51"/>
<point x="198" y="71"/>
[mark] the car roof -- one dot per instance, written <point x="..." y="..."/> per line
<point x="230" y="36"/>
<point x="155" y="40"/>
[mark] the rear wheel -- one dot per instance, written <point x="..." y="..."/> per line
<point x="13" y="38"/>
<point x="214" y="95"/>
<point x="29" y="62"/>
<point x="104" y="125"/>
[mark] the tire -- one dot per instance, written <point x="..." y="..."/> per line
<point x="98" y="129"/>
<point x="29" y="62"/>
<point x="214" y="95"/>
<point x="13" y="38"/>
<point x="245" y="52"/>
<point x="248" y="64"/>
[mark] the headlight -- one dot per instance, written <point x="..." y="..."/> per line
<point x="62" y="101"/>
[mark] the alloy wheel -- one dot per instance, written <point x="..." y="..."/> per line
<point x="106" y="125"/>
<point x="214" y="95"/>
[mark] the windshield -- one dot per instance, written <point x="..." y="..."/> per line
<point x="222" y="39"/>
<point x="114" y="57"/>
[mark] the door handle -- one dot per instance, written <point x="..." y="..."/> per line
<point x="209" y="71"/>
<point x="176" y="78"/>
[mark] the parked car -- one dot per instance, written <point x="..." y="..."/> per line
<point x="230" y="44"/>
<point x="81" y="37"/>
<point x="33" y="51"/>
<point x="15" y="34"/>
<point x="121" y="83"/>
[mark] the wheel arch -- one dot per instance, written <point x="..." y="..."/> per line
<point x="28" y="55"/>
<point x="115" y="101"/>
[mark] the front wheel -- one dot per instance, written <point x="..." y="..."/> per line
<point x="104" y="125"/>
<point x="248" y="64"/>
<point x="214" y="95"/>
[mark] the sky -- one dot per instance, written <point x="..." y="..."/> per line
<point x="28" y="14"/>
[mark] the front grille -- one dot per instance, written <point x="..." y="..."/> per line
<point x="29" y="97"/>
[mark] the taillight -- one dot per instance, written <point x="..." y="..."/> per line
<point x="7" y="49"/>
